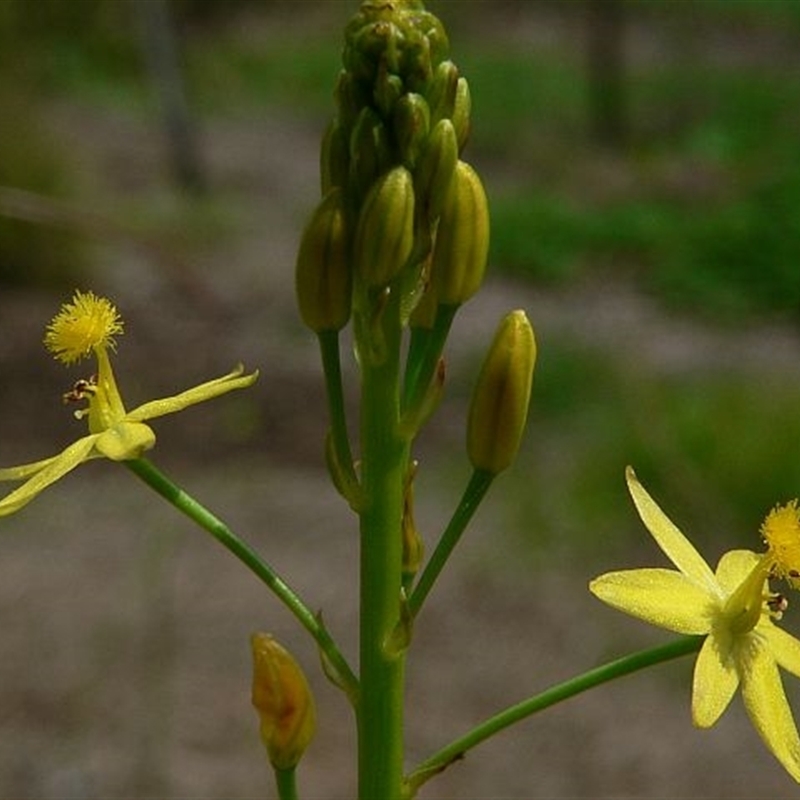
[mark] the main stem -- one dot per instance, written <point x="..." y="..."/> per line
<point x="384" y="461"/>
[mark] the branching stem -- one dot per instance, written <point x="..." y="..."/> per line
<point x="555" y="694"/>
<point x="158" y="481"/>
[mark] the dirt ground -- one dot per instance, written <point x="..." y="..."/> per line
<point x="124" y="663"/>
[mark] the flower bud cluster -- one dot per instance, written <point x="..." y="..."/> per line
<point x="401" y="237"/>
<point x="407" y="205"/>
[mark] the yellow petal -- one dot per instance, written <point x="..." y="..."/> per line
<point x="680" y="551"/>
<point x="125" y="441"/>
<point x="766" y="703"/>
<point x="197" y="394"/>
<point x="734" y="568"/>
<point x="715" y="679"/>
<point x="54" y="469"/>
<point x="25" y="470"/>
<point x="661" y="597"/>
<point x="783" y="646"/>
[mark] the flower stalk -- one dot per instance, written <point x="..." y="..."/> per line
<point x="626" y="665"/>
<point x="478" y="485"/>
<point x="340" y="458"/>
<point x="198" y="513"/>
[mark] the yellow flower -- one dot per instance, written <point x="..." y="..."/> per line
<point x="734" y="609"/>
<point x="84" y="327"/>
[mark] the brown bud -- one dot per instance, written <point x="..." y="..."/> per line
<point x="284" y="702"/>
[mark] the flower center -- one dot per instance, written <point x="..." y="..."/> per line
<point x="744" y="607"/>
<point x="781" y="532"/>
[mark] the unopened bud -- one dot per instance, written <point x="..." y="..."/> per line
<point x="462" y="239"/>
<point x="284" y="702"/>
<point x="411" y="123"/>
<point x="385" y="231"/>
<point x="370" y="152"/>
<point x="323" y="273"/>
<point x="334" y="158"/>
<point x="351" y="97"/>
<point x="442" y="91"/>
<point x="462" y="110"/>
<point x="388" y="90"/>
<point x="500" y="401"/>
<point x="434" y="173"/>
<point x="399" y="37"/>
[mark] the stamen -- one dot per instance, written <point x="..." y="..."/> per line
<point x="81" y="389"/>
<point x="777" y="604"/>
<point x="781" y="532"/>
<point x="86" y="323"/>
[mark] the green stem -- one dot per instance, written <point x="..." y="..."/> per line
<point x="384" y="462"/>
<point x="286" y="781"/>
<point x="156" y="479"/>
<point x="555" y="694"/>
<point x="331" y="365"/>
<point x="424" y="353"/>
<point x="476" y="489"/>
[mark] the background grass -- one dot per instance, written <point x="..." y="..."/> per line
<point x="697" y="207"/>
<point x="662" y="276"/>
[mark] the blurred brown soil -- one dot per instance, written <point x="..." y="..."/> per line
<point x="124" y="664"/>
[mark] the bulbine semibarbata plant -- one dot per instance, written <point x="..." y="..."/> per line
<point x="397" y="243"/>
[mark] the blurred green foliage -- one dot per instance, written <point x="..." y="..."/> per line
<point x="708" y="217"/>
<point x="294" y="72"/>
<point x="716" y="448"/>
<point x="52" y="47"/>
<point x="700" y="207"/>
<point x="31" y="159"/>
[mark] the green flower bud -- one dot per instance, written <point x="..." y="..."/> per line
<point x="334" y="158"/>
<point x="462" y="239"/>
<point x="411" y="122"/>
<point x="500" y="401"/>
<point x="284" y="702"/>
<point x="388" y="90"/>
<point x="323" y="276"/>
<point x="370" y="152"/>
<point x="462" y="110"/>
<point x="351" y="97"/>
<point x="441" y="93"/>
<point x="399" y="37"/>
<point x="433" y="176"/>
<point x="385" y="232"/>
<point x="375" y="45"/>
